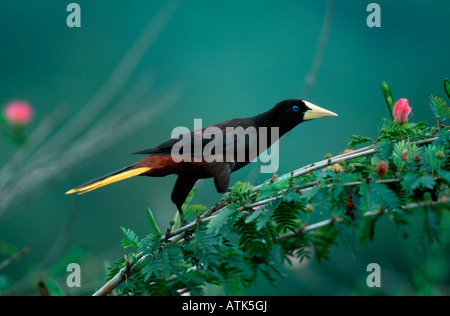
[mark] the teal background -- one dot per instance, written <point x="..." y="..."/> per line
<point x="233" y="59"/>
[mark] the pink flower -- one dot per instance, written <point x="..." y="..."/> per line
<point x="18" y="112"/>
<point x="401" y="111"/>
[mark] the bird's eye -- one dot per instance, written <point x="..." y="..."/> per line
<point x="295" y="108"/>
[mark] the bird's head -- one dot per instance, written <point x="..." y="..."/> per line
<point x="289" y="113"/>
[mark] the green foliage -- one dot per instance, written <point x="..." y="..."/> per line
<point x="388" y="97"/>
<point x="130" y="239"/>
<point x="152" y="221"/>
<point x="258" y="229"/>
<point x="447" y="86"/>
<point x="392" y="131"/>
<point x="357" y="140"/>
<point x="51" y="287"/>
<point x="439" y="108"/>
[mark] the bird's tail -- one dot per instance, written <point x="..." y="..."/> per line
<point x="118" y="175"/>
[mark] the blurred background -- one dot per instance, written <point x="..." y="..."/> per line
<point x="136" y="69"/>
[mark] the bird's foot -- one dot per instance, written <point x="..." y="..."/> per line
<point x="184" y="222"/>
<point x="187" y="233"/>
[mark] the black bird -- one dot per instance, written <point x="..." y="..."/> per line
<point x="214" y="151"/>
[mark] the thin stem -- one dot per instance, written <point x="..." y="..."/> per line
<point x="311" y="77"/>
<point x="333" y="220"/>
<point x="13" y="258"/>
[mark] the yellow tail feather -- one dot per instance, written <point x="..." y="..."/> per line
<point x="108" y="180"/>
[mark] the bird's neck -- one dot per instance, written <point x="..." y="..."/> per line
<point x="267" y="120"/>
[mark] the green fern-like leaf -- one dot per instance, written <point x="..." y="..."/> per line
<point x="347" y="235"/>
<point x="206" y="241"/>
<point x="250" y="239"/>
<point x="207" y="247"/>
<point x="322" y="240"/>
<point x="445" y="176"/>
<point x="384" y="150"/>
<point x="150" y="244"/>
<point x="367" y="228"/>
<point x="163" y="263"/>
<point x="262" y="214"/>
<point x="269" y="190"/>
<point x="386" y="197"/>
<point x="432" y="226"/>
<point x="286" y="216"/>
<point x="439" y="108"/>
<point x="194" y="209"/>
<point x="157" y="287"/>
<point x="357" y="140"/>
<point x="224" y="220"/>
<point x="242" y="192"/>
<point x="285" y="181"/>
<point x="432" y="163"/>
<point x="399" y="147"/>
<point x="194" y="280"/>
<point x="131" y="239"/>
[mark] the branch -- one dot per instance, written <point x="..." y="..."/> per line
<point x="179" y="234"/>
<point x="366" y="151"/>
<point x="333" y="220"/>
<point x="14" y="257"/>
<point x="121" y="276"/>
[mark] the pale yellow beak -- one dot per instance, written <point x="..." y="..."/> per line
<point x="316" y="112"/>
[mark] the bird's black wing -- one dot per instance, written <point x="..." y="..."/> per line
<point x="239" y="137"/>
<point x="191" y="140"/>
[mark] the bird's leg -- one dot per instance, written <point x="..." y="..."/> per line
<point x="181" y="190"/>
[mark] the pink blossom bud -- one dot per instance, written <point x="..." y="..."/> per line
<point x="382" y="169"/>
<point x="401" y="111"/>
<point x="18" y="112"/>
